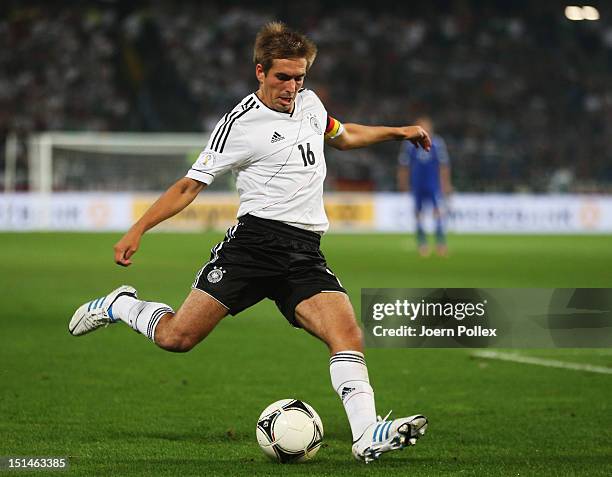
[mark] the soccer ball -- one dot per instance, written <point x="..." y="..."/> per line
<point x="289" y="430"/>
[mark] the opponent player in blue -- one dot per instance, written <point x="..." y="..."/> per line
<point x="429" y="173"/>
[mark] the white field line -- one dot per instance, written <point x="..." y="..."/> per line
<point x="549" y="363"/>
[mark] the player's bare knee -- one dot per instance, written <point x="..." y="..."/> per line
<point x="184" y="344"/>
<point x="163" y="340"/>
<point x="175" y="342"/>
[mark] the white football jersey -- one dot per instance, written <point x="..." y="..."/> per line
<point x="277" y="159"/>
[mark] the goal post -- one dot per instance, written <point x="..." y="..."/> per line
<point x="110" y="162"/>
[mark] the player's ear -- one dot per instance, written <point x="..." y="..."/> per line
<point x="259" y="72"/>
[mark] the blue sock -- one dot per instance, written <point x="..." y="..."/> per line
<point x="440" y="237"/>
<point x="420" y="233"/>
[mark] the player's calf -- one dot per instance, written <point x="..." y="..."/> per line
<point x="197" y="317"/>
<point x="350" y="338"/>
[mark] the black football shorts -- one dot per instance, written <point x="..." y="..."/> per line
<point x="261" y="258"/>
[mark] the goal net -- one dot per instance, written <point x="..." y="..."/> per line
<point x="111" y="162"/>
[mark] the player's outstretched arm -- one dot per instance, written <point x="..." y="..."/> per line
<point x="175" y="199"/>
<point x="357" y="135"/>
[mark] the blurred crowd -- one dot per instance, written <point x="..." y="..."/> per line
<point x="522" y="96"/>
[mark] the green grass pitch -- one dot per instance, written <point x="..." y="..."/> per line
<point x="117" y="405"/>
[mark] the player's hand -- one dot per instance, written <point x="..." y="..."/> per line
<point x="126" y="247"/>
<point x="417" y="136"/>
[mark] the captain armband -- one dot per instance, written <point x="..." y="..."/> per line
<point x="333" y="129"/>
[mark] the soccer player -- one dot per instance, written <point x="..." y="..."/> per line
<point x="429" y="172"/>
<point x="273" y="141"/>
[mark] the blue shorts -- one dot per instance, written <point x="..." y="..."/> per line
<point x="428" y="196"/>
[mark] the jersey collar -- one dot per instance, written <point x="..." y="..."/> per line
<point x="295" y="105"/>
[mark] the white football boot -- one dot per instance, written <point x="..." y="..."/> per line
<point x="96" y="313"/>
<point x="384" y="436"/>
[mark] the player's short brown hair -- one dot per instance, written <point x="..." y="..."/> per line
<point x="276" y="41"/>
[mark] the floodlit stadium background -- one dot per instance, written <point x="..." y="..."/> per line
<point x="520" y="92"/>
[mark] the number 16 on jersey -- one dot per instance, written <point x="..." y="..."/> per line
<point x="307" y="155"/>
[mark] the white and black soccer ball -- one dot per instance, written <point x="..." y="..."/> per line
<point x="289" y="430"/>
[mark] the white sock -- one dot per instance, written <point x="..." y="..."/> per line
<point x="349" y="377"/>
<point x="142" y="316"/>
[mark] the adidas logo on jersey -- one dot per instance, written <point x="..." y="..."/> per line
<point x="276" y="137"/>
